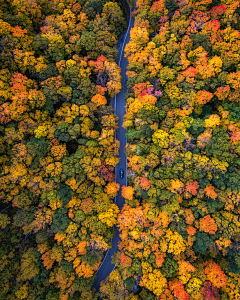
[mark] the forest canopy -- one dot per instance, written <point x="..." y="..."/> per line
<point x="57" y="145"/>
<point x="180" y="226"/>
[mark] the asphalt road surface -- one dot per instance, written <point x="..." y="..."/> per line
<point x="119" y="105"/>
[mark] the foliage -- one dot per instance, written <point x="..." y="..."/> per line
<point x="180" y="227"/>
<point x="57" y="145"/>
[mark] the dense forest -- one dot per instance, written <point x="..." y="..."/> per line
<point x="180" y="225"/>
<point x="57" y="145"/>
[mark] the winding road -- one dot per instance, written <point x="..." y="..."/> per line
<point x="119" y="105"/>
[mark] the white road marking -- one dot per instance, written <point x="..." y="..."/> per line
<point x="115" y="108"/>
<point x="125" y="37"/>
<point x="104" y="258"/>
<point x="112" y="270"/>
<point x="123" y="46"/>
<point x="102" y="261"/>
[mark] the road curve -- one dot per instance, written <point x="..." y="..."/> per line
<point x="119" y="105"/>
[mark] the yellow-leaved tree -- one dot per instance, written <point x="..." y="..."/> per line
<point x="161" y="138"/>
<point x="109" y="217"/>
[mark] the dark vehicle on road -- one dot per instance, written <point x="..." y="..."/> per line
<point x="121" y="173"/>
